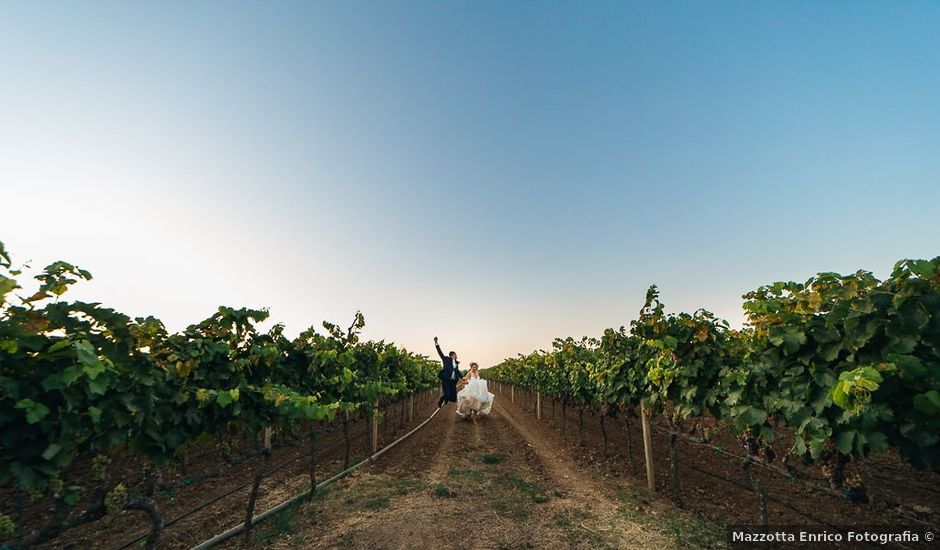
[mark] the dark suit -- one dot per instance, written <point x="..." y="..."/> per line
<point x="449" y="375"/>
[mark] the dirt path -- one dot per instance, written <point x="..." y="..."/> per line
<point x="497" y="483"/>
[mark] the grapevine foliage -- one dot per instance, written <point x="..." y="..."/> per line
<point x="848" y="364"/>
<point x="79" y="378"/>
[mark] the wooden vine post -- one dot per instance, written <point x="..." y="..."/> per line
<point x="626" y="428"/>
<point x="674" y="470"/>
<point x="375" y="427"/>
<point x="758" y="490"/>
<point x="538" y="405"/>
<point x="564" y="416"/>
<point x="411" y="408"/>
<point x="581" y="425"/>
<point x="259" y="475"/>
<point x="346" y="437"/>
<point x="312" y="467"/>
<point x="647" y="447"/>
<point x="385" y="418"/>
<point x="512" y="393"/>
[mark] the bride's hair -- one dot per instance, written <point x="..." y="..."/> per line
<point x="474" y="365"/>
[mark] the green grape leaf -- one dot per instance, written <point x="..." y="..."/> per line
<point x="34" y="411"/>
<point x="52" y="450"/>
<point x="844" y="440"/>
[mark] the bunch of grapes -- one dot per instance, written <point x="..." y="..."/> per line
<point x="6" y="525"/>
<point x="833" y="467"/>
<point x="708" y="434"/>
<point x="116" y="498"/>
<point x="34" y="494"/>
<point x="834" y="474"/>
<point x="767" y="453"/>
<point x="854" y="490"/>
<point x="56" y="485"/>
<point x="99" y="466"/>
<point x="748" y="442"/>
<point x="172" y="468"/>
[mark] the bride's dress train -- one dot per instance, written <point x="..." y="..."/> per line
<point x="474" y="397"/>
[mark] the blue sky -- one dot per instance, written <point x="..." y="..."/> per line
<point x="494" y="173"/>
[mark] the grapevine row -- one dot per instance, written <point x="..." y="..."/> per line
<point x="847" y="365"/>
<point x="78" y="379"/>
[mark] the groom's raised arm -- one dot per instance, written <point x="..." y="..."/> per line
<point x="439" y="352"/>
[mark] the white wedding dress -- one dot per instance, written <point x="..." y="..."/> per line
<point x="474" y="397"/>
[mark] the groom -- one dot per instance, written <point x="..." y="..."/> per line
<point x="449" y="375"/>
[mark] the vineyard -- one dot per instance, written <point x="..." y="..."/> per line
<point x="102" y="413"/>
<point x="117" y="433"/>
<point x="837" y="373"/>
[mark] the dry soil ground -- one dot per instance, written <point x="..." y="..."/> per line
<point x="502" y="482"/>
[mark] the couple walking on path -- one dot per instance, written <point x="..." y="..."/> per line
<point x="474" y="399"/>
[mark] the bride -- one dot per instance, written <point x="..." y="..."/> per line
<point x="474" y="399"/>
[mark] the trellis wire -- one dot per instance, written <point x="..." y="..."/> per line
<point x="787" y="475"/>
<point x="206" y="504"/>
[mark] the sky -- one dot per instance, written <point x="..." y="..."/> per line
<point x="493" y="173"/>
